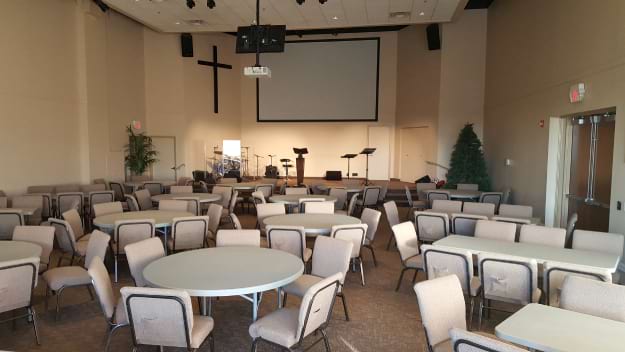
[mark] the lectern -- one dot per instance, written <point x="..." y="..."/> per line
<point x="349" y="157"/>
<point x="367" y="152"/>
<point x="299" y="163"/>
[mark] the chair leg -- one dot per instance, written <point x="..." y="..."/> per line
<point x="115" y="267"/>
<point x="362" y="271"/>
<point x="211" y="341"/>
<point x="33" y="314"/>
<point x="375" y="260"/>
<point x="342" y="295"/>
<point x="401" y="276"/>
<point x="284" y="294"/>
<point x="471" y="308"/>
<point x="110" y="335"/>
<point x="59" y="293"/>
<point x="325" y="340"/>
<point x="479" y="317"/>
<point x="254" y="345"/>
<point x="90" y="292"/>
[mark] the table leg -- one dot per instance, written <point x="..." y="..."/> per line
<point x="206" y="306"/>
<point x="279" y="297"/>
<point x="165" y="237"/>
<point x="254" y="306"/>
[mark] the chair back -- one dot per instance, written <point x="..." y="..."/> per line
<point x="132" y="202"/>
<point x="331" y="256"/>
<point x="159" y="317"/>
<point x="97" y="246"/>
<point x="447" y="206"/>
<point x="64" y="235"/>
<point x="9" y="218"/>
<point x="316" y="308"/>
<point x="601" y="299"/>
<point x="351" y="233"/>
<point x="180" y="189"/>
<point x="546" y="236"/>
<point x="193" y="204"/>
<point x="318" y="207"/>
<point x="295" y="190"/>
<point x="42" y="236"/>
<point x="290" y="239"/>
<point x="408" y="197"/>
<point x="515" y="211"/>
<point x="40" y="189"/>
<point x="467" y="186"/>
<point x="101" y="209"/>
<point x="236" y="223"/>
<point x="30" y="201"/>
<point x="73" y="218"/>
<point x="4" y="202"/>
<point x="93" y="188"/>
<point x="67" y="188"/>
<point x="99" y="197"/>
<point x="189" y="232"/>
<point x="371" y="217"/>
<point x="570" y="227"/>
<point x="131" y="231"/>
<point x="18" y="279"/>
<point x="238" y="238"/>
<point x="442" y="261"/>
<point x="383" y="190"/>
<point x="214" y="217"/>
<point x="69" y="200"/>
<point x="268" y="209"/>
<point x="103" y="288"/>
<point x="495" y="230"/>
<point x="604" y="242"/>
<point x="225" y="192"/>
<point x="406" y="239"/>
<point x="155" y="188"/>
<point x="494" y="198"/>
<point x="118" y="190"/>
<point x="144" y="199"/>
<point x="392" y="214"/>
<point x="422" y="187"/>
<point x="555" y="273"/>
<point x="233" y="202"/>
<point x="486" y="209"/>
<point x="508" y="278"/>
<point x="173" y="205"/>
<point x="370" y="195"/>
<point x="466" y="341"/>
<point x="265" y="189"/>
<point x="258" y="197"/>
<point x="441" y="304"/>
<point x="464" y="224"/>
<point x="352" y="204"/>
<point x="140" y="254"/>
<point x="431" y="226"/>
<point x="437" y="195"/>
<point x="341" y="196"/>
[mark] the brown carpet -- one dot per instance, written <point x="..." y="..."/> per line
<point x="381" y="319"/>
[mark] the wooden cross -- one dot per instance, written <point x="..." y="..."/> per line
<point x="216" y="65"/>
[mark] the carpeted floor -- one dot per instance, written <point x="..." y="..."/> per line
<point x="381" y="319"/>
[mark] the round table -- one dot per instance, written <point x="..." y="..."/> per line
<point x="244" y="186"/>
<point x="293" y="199"/>
<point x="204" y="197"/>
<point x="15" y="250"/>
<point x="315" y="224"/>
<point x="225" y="271"/>
<point x="459" y="193"/>
<point x="162" y="218"/>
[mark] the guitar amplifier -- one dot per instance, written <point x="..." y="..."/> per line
<point x="271" y="171"/>
<point x="334" y="176"/>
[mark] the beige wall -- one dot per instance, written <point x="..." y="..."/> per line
<point x="529" y="71"/>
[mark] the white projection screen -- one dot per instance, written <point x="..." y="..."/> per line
<point x="321" y="80"/>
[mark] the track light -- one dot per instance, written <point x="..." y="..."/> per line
<point x="190" y="4"/>
<point x="300" y="2"/>
<point x="210" y="4"/>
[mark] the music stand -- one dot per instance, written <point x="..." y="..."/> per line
<point x="286" y="165"/>
<point x="348" y="157"/>
<point x="367" y="152"/>
<point x="299" y="162"/>
<point x="257" y="157"/>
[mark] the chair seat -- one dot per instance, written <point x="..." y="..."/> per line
<point x="66" y="276"/>
<point x="120" y="313"/>
<point x="415" y="262"/>
<point x="84" y="238"/>
<point x="307" y="254"/>
<point x="179" y="246"/>
<point x="301" y="285"/>
<point x="81" y="247"/>
<point x="202" y="327"/>
<point x="279" y="327"/>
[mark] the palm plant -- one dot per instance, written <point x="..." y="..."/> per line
<point x="140" y="153"/>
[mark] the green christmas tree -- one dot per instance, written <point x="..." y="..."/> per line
<point x="467" y="161"/>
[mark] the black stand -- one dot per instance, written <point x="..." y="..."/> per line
<point x="349" y="157"/>
<point x="299" y="163"/>
<point x="286" y="165"/>
<point x="257" y="157"/>
<point x="367" y="152"/>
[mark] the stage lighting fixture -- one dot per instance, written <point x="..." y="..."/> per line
<point x="300" y="2"/>
<point x="190" y="4"/>
<point x="210" y="4"/>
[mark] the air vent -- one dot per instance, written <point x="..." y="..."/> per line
<point x="196" y="22"/>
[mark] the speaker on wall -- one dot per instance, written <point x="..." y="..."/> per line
<point x="434" y="36"/>
<point x="186" y="44"/>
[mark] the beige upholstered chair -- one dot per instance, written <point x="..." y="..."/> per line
<point x="447" y="206"/>
<point x="464" y="224"/>
<point x="265" y="189"/>
<point x="59" y="278"/>
<point x="509" y="279"/>
<point x="127" y="232"/>
<point x="40" y="189"/>
<point x="371" y="217"/>
<point x="357" y="235"/>
<point x="73" y="218"/>
<point x="162" y="317"/>
<point x="238" y="238"/>
<point x="601" y="299"/>
<point x="67" y="241"/>
<point x="546" y="236"/>
<point x="193" y="205"/>
<point x="9" y="218"/>
<point x="438" y="194"/>
<point x="341" y="197"/>
<point x="30" y="201"/>
<point x="258" y="197"/>
<point x="318" y="207"/>
<point x="296" y="190"/>
<point x="107" y="208"/>
<point x="225" y="192"/>
<point x="291" y="239"/>
<point x="266" y="210"/>
<point x="188" y="233"/>
<point x="466" y="341"/>
<point x="422" y="187"/>
<point x="604" y="242"/>
<point x="370" y="197"/>
<point x="515" y="211"/>
<point x="431" y="226"/>
<point x="288" y="327"/>
<point x="93" y="187"/>
<point x="301" y="206"/>
<point x="184" y="181"/>
<point x="517" y="221"/>
<point x="330" y="256"/>
<point x="486" y="209"/>
<point x="441" y="261"/>
<point x="42" y="236"/>
<point x="555" y="273"/>
<point x="131" y="201"/>
<point x="140" y="254"/>
<point x="118" y="190"/>
<point x="495" y="198"/>
<point x="408" y="246"/>
<point x="351" y="207"/>
<point x="495" y="230"/>
<point x="214" y="218"/>
<point x="4" y="202"/>
<point x="114" y="312"/>
<point x="99" y="197"/>
<point x="173" y="205"/>
<point x="231" y="206"/>
<point x="68" y="188"/>
<point x="236" y="223"/>
<point x="570" y="227"/>
<point x="392" y="217"/>
<point x="144" y="199"/>
<point x="70" y="200"/>
<point x="180" y="189"/>
<point x="155" y="188"/>
<point x="442" y="308"/>
<point x="18" y="279"/>
<point x="412" y="204"/>
<point x="467" y="186"/>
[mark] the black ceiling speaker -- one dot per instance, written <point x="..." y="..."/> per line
<point x="186" y="44"/>
<point x="434" y="36"/>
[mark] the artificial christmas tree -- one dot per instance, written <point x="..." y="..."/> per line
<point x="467" y="161"/>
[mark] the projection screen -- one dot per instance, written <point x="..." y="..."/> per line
<point x="321" y="80"/>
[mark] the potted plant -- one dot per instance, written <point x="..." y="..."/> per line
<point x="140" y="153"/>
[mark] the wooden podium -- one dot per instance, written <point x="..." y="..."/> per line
<point x="299" y="163"/>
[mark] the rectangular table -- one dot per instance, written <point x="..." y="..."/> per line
<point x="532" y="220"/>
<point x="550" y="329"/>
<point x="532" y="251"/>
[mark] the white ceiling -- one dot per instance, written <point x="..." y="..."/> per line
<point x="173" y="15"/>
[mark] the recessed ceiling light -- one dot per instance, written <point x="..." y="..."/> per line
<point x="196" y="22"/>
<point x="335" y="18"/>
<point x="399" y="15"/>
<point x="421" y="13"/>
<point x="177" y="22"/>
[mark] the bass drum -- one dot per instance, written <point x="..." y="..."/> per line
<point x="271" y="171"/>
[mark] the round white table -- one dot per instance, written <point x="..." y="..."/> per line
<point x="204" y="197"/>
<point x="162" y="218"/>
<point x="463" y="194"/>
<point x="15" y="250"/>
<point x="315" y="224"/>
<point x="293" y="199"/>
<point x="225" y="271"/>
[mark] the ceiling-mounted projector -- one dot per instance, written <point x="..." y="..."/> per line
<point x="257" y="72"/>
